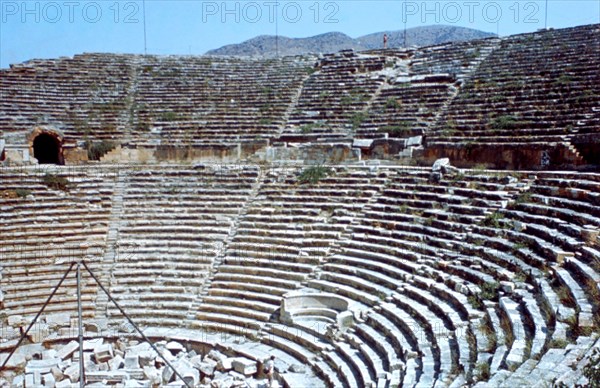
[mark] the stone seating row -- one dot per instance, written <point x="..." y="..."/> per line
<point x="111" y="97"/>
<point x="277" y="242"/>
<point x="45" y="231"/>
<point x="170" y="231"/>
<point x="450" y="58"/>
<point x="536" y="337"/>
<point x="496" y="75"/>
<point x="382" y="247"/>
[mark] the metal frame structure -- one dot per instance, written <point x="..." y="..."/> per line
<point x="78" y="265"/>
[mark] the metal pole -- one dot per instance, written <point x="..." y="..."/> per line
<point x="36" y="317"/>
<point x="546" y="16"/>
<point x="133" y="324"/>
<point x="276" y="32"/>
<point x="404" y="19"/>
<point x="144" y="14"/>
<point x="80" y="326"/>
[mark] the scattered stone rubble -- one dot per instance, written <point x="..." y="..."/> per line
<point x="129" y="364"/>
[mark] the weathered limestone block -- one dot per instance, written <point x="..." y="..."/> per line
<point x="49" y="354"/>
<point x="215" y="355"/>
<point x="196" y="360"/>
<point x="146" y="354"/>
<point x="191" y="376"/>
<point x="116" y="363"/>
<point x="63" y="384"/>
<point x="39" y="334"/>
<point x="57" y="373"/>
<point x="16" y="321"/>
<point x="103" y="353"/>
<point x="72" y="372"/>
<point x="345" y="320"/>
<point x="59" y="320"/>
<point x="589" y="234"/>
<point x="560" y="255"/>
<point x="132" y="361"/>
<point x="18" y="381"/>
<point x="244" y="366"/>
<point x="167" y="375"/>
<point x="208" y="368"/>
<point x="29" y="380"/>
<point x="42" y="366"/>
<point x="437" y="166"/>
<point x="67" y="350"/>
<point x="153" y="375"/>
<point x="91" y="344"/>
<point x="175" y="347"/>
<point x="102" y="367"/>
<point x="110" y="377"/>
<point x="414" y="141"/>
<point x="49" y="380"/>
<point x="508" y="287"/>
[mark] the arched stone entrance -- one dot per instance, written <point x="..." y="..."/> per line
<point x="46" y="149"/>
<point x="46" y="145"/>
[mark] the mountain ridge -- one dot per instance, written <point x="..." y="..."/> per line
<point x="271" y="46"/>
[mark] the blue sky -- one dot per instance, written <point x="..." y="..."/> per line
<point x="48" y="29"/>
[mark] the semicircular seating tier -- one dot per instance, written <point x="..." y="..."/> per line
<point x="480" y="277"/>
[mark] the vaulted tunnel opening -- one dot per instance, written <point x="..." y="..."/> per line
<point x="47" y="149"/>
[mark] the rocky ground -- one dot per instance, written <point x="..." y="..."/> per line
<point x="130" y="364"/>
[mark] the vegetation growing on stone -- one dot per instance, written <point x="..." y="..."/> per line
<point x="314" y="174"/>
<point x="96" y="150"/>
<point x="55" y="182"/>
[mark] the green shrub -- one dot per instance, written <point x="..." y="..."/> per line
<point x="489" y="290"/>
<point x="518" y="246"/>
<point x="474" y="301"/>
<point x="170" y="116"/>
<point x="357" y="119"/>
<point x="308" y="128"/>
<point x="96" y="150"/>
<point x="314" y="174"/>
<point x="401" y="129"/>
<point x="509" y="335"/>
<point x="265" y="108"/>
<point x="493" y="220"/>
<point x="143" y="126"/>
<point x="504" y="122"/>
<point x="565" y="296"/>
<point x="564" y="79"/>
<point x="592" y="370"/>
<point x="523" y="198"/>
<point x="392" y="104"/>
<point x="309" y="70"/>
<point x="55" y="182"/>
<point x="478" y="242"/>
<point x="486" y="328"/>
<point x="482" y="370"/>
<point x="520" y="276"/>
<point x="22" y="193"/>
<point x="558" y="343"/>
<point x="450" y="128"/>
<point x="346" y="100"/>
